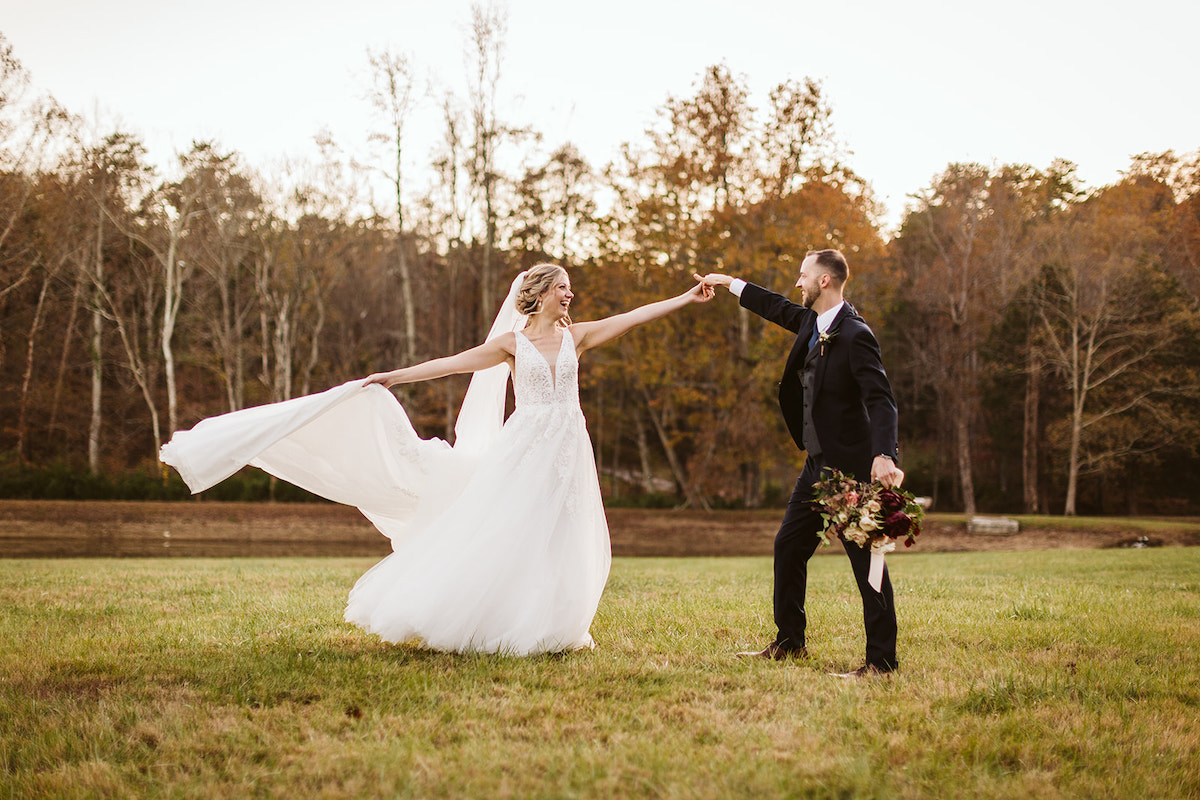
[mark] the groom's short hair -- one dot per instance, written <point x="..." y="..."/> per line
<point x="833" y="262"/>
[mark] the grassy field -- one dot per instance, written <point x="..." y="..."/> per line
<point x="1048" y="674"/>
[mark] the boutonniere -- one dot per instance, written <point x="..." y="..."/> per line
<point x="825" y="338"/>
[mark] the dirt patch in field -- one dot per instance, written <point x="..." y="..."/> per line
<point x="41" y="529"/>
<point x="727" y="533"/>
<point x="48" y="529"/>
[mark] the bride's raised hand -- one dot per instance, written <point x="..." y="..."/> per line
<point x="701" y="292"/>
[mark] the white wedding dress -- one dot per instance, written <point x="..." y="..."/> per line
<point x="500" y="543"/>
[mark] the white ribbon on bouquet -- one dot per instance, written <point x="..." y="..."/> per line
<point x="875" y="576"/>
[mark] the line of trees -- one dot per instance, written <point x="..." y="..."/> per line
<point x="1042" y="338"/>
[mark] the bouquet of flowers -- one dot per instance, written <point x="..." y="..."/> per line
<point x="868" y="515"/>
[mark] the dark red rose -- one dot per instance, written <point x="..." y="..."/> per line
<point x="897" y="524"/>
<point x="891" y="501"/>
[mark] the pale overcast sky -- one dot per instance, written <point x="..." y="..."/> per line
<point x="914" y="85"/>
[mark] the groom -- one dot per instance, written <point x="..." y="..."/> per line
<point x="838" y="406"/>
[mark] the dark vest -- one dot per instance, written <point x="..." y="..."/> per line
<point x="808" y="379"/>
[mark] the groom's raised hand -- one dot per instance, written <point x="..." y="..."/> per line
<point x="714" y="279"/>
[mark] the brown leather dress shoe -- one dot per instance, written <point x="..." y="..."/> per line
<point x="774" y="652"/>
<point x="865" y="671"/>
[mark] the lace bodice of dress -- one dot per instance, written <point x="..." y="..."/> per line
<point x="535" y="384"/>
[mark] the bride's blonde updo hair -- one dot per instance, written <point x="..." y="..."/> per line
<point x="537" y="281"/>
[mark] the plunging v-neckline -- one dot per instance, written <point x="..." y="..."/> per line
<point x="552" y="366"/>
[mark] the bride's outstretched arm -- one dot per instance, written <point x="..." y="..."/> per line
<point x="594" y="334"/>
<point x="488" y="354"/>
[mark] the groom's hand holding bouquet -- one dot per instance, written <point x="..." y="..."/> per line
<point x="870" y="515"/>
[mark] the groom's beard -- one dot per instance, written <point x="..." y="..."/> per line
<point x="807" y="298"/>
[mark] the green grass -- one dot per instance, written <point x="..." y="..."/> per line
<point x="1032" y="674"/>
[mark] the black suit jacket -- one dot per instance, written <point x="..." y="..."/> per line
<point x="854" y="411"/>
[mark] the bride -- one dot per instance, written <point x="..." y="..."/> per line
<point x="500" y="543"/>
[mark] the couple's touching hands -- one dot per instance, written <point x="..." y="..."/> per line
<point x="703" y="291"/>
<point x="713" y="279"/>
